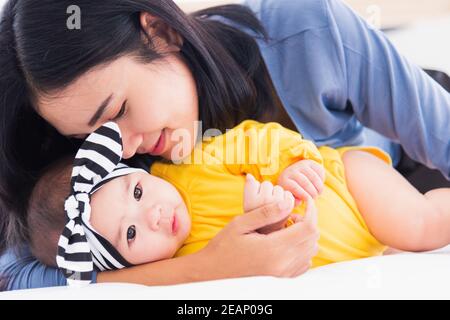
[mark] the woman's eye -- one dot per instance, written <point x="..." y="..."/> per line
<point x="122" y="111"/>
<point x="138" y="192"/>
<point x="131" y="233"/>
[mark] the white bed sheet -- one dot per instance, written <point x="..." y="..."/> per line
<point x="399" y="276"/>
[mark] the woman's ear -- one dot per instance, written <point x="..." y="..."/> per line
<point x="164" y="38"/>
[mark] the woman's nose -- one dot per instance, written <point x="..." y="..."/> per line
<point x="131" y="143"/>
<point x="152" y="217"/>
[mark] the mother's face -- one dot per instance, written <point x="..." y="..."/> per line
<point x="151" y="103"/>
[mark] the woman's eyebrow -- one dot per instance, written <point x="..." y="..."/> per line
<point x="100" y="110"/>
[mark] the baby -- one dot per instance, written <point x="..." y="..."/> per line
<point x="134" y="217"/>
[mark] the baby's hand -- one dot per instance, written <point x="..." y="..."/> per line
<point x="303" y="179"/>
<point x="258" y="194"/>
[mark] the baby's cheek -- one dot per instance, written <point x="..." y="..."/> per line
<point x="141" y="256"/>
<point x="164" y="248"/>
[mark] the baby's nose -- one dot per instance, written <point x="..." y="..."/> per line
<point x="153" y="217"/>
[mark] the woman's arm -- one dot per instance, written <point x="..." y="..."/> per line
<point x="20" y="270"/>
<point x="236" y="251"/>
<point x="190" y="268"/>
<point x="335" y="73"/>
<point x="388" y="93"/>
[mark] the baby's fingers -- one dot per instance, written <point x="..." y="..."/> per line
<point x="289" y="200"/>
<point x="305" y="183"/>
<point x="251" y="187"/>
<point x="318" y="168"/>
<point x="314" y="177"/>
<point x="299" y="193"/>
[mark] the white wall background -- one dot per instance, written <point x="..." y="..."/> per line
<point x="392" y="12"/>
<point x="185" y="4"/>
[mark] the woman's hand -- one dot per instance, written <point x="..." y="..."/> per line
<point x="239" y="251"/>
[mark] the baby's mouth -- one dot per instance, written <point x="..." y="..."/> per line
<point x="175" y="223"/>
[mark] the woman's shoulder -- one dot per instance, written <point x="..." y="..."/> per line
<point x="285" y="18"/>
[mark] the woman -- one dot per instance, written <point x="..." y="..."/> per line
<point x="332" y="73"/>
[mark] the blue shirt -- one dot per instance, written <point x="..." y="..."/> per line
<point x="23" y="271"/>
<point x="343" y="83"/>
<point x="337" y="77"/>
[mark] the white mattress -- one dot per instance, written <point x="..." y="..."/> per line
<point x="405" y="276"/>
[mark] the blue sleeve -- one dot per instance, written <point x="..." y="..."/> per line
<point x="22" y="271"/>
<point x="388" y="93"/>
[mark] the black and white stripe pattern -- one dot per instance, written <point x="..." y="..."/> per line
<point x="80" y="247"/>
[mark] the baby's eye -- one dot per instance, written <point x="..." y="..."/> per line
<point x="138" y="192"/>
<point x="131" y="233"/>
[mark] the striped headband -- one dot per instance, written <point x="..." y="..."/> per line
<point x="80" y="247"/>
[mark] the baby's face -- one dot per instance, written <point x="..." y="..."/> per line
<point x="143" y="216"/>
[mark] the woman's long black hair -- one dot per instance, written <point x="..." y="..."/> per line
<point x="39" y="54"/>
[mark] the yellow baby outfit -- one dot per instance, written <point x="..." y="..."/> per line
<point x="211" y="181"/>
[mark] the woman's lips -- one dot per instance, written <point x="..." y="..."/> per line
<point x="160" y="145"/>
